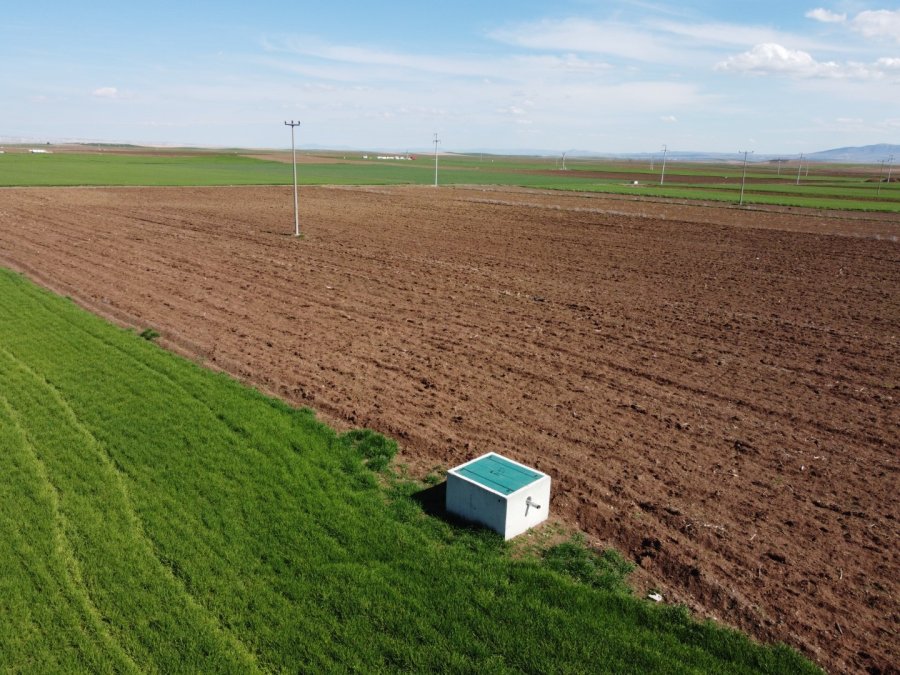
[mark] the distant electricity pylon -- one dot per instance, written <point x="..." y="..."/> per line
<point x="744" y="174"/>
<point x="436" y="141"/>
<point x="292" y="124"/>
<point x="799" y="168"/>
<point x="564" y="160"/>
<point x="662" y="176"/>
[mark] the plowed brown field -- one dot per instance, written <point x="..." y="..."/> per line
<point x="713" y="390"/>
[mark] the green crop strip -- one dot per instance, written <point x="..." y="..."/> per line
<point x="707" y="193"/>
<point x="157" y="517"/>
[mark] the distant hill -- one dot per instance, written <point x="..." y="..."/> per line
<point x="866" y="154"/>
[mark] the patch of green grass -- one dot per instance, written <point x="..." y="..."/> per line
<point x="827" y="190"/>
<point x="433" y="478"/>
<point x="158" y="517"/>
<point x="17" y="169"/>
<point x="607" y="570"/>
<point x="707" y="193"/>
<point x="376" y="450"/>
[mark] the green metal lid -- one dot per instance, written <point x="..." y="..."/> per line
<point x="498" y="473"/>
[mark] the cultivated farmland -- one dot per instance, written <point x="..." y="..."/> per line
<point x="156" y="517"/>
<point x="713" y="390"/>
<point x="828" y="186"/>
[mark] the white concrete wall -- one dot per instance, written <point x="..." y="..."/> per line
<point x="521" y="517"/>
<point x="472" y="502"/>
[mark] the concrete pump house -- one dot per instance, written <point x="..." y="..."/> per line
<point x="503" y="495"/>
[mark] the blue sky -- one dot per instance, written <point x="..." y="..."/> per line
<point x="616" y="76"/>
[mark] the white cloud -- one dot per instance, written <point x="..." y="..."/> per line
<point x="321" y="59"/>
<point x="825" y="15"/>
<point x="106" y="92"/>
<point x="718" y="34"/>
<point x="881" y="23"/>
<point x="387" y="61"/>
<point x="770" y="58"/>
<point x="568" y="63"/>
<point x="586" y="36"/>
<point x="530" y="89"/>
<point x="662" y="42"/>
<point x="669" y="118"/>
<point x="774" y="59"/>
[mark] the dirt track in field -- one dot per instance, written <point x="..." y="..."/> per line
<point x="713" y="390"/>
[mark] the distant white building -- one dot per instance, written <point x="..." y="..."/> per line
<point x="39" y="151"/>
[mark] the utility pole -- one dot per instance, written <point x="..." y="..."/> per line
<point x="436" y="141"/>
<point x="564" y="160"/>
<point x="799" y="168"/>
<point x="662" y="176"/>
<point x="744" y="174"/>
<point x="292" y="124"/>
<point x="890" y="161"/>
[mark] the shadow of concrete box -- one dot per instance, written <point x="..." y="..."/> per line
<point x="503" y="495"/>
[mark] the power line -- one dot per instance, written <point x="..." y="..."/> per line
<point x="292" y="124"/>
